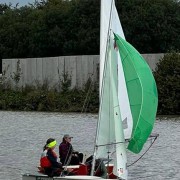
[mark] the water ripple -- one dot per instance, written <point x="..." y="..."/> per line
<point x="23" y="134"/>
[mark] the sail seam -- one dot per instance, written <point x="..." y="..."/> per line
<point x="109" y="144"/>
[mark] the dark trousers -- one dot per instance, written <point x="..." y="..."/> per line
<point x="75" y="159"/>
<point x="51" y="172"/>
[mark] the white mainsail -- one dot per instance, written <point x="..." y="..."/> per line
<point x="110" y="142"/>
<point x="114" y="102"/>
<point x="110" y="21"/>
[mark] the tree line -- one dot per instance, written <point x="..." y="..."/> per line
<point x="72" y="27"/>
<point x="63" y="27"/>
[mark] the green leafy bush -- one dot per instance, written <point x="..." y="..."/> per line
<point x="42" y="99"/>
<point x="167" y="75"/>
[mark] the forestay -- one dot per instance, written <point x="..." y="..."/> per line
<point x="110" y="21"/>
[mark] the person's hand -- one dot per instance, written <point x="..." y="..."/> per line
<point x="74" y="155"/>
<point x="75" y="152"/>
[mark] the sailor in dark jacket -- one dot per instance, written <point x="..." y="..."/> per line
<point x="66" y="153"/>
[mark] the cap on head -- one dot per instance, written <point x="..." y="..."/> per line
<point x="67" y="136"/>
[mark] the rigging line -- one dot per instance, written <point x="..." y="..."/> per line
<point x="110" y="94"/>
<point x="101" y="90"/>
<point x="98" y="167"/>
<point x="109" y="144"/>
<point x="86" y="99"/>
<point x="68" y="159"/>
<point x="143" y="153"/>
<point x="107" y="44"/>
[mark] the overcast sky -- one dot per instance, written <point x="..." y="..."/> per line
<point x="14" y="2"/>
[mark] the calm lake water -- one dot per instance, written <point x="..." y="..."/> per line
<point x="23" y="134"/>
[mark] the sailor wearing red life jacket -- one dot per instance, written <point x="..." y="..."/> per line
<point x="49" y="161"/>
<point x="44" y="161"/>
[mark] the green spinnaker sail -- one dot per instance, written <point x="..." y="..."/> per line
<point x="142" y="93"/>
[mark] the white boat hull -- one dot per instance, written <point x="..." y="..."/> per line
<point x="44" y="177"/>
<point x="75" y="168"/>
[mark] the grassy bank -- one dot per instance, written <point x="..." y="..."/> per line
<point x="51" y="100"/>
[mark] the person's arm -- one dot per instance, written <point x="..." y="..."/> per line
<point x="53" y="160"/>
<point x="72" y="151"/>
<point x="63" y="150"/>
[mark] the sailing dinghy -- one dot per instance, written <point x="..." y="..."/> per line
<point x="128" y="101"/>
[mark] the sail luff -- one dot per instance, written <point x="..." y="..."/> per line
<point x="105" y="19"/>
<point x="107" y="13"/>
<point x="120" y="163"/>
<point x="122" y="89"/>
<point x="110" y="21"/>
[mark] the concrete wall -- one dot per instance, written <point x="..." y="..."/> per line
<point x="152" y="59"/>
<point x="38" y="71"/>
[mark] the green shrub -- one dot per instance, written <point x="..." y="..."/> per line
<point x="45" y="99"/>
<point x="167" y="75"/>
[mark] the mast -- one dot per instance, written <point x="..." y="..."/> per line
<point x="110" y="20"/>
<point x="109" y="135"/>
<point x="105" y="13"/>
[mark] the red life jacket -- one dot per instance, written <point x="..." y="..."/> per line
<point x="44" y="161"/>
